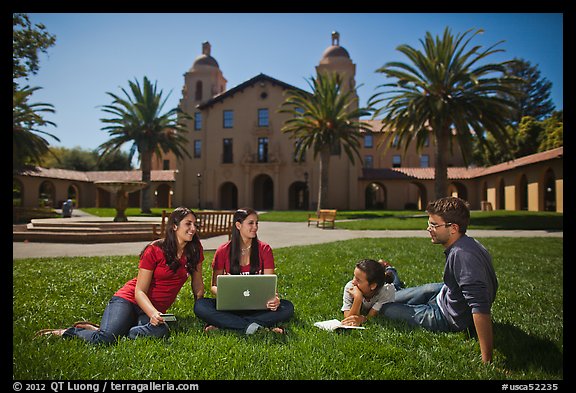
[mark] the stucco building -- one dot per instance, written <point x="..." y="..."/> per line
<point x="240" y="157"/>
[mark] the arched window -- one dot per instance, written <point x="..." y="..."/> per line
<point x="198" y="91"/>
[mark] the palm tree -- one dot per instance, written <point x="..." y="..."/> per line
<point x="324" y="121"/>
<point x="138" y="119"/>
<point x="27" y="146"/>
<point x="446" y="92"/>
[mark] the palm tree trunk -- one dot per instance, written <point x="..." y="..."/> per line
<point x="146" y="162"/>
<point x="441" y="167"/>
<point x="323" y="186"/>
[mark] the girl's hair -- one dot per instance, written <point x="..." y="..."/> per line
<point x="236" y="244"/>
<point x="452" y="210"/>
<point x="169" y="244"/>
<point x="375" y="272"/>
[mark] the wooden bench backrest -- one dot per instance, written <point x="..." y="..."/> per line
<point x="211" y="223"/>
<point x="327" y="213"/>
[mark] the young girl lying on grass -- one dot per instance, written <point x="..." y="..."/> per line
<point x="374" y="284"/>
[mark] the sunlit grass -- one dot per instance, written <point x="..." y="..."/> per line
<point x="528" y="320"/>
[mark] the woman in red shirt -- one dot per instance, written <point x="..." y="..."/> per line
<point x="136" y="308"/>
<point x="243" y="254"/>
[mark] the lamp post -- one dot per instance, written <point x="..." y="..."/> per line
<point x="199" y="176"/>
<point x="305" y="190"/>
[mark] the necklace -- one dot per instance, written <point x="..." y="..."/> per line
<point x="243" y="251"/>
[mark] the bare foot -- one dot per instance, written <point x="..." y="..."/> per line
<point x="87" y="326"/>
<point x="278" y="330"/>
<point x="209" y="328"/>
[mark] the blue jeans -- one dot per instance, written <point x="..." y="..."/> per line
<point x="398" y="284"/>
<point x="417" y="306"/>
<point x="120" y="318"/>
<point x="242" y="321"/>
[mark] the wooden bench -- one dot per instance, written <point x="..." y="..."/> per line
<point x="323" y="218"/>
<point x="208" y="224"/>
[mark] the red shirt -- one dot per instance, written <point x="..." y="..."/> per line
<point x="222" y="258"/>
<point x="165" y="283"/>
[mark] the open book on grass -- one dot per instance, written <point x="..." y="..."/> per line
<point x="334" y="324"/>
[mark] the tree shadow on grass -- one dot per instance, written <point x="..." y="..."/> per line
<point x="524" y="352"/>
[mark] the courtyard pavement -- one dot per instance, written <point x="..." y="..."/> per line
<point x="277" y="234"/>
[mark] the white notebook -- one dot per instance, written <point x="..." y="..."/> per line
<point x="334" y="324"/>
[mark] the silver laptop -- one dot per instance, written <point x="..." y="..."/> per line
<point x="245" y="292"/>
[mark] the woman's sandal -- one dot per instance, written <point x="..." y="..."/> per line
<point x="49" y="332"/>
<point x="209" y="328"/>
<point x="86" y="325"/>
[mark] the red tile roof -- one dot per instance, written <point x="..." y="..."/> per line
<point x="523" y="161"/>
<point x="459" y="173"/>
<point x="66" y="174"/>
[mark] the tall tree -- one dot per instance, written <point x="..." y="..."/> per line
<point x="138" y="119"/>
<point x="553" y="135"/>
<point x="447" y="93"/>
<point x="28" y="139"/>
<point x="27" y="41"/>
<point x="325" y="121"/>
<point x="534" y="98"/>
<point x="28" y="143"/>
<point x="79" y="159"/>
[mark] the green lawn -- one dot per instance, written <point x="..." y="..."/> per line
<point x="527" y="314"/>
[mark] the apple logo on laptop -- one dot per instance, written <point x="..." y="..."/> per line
<point x="246" y="293"/>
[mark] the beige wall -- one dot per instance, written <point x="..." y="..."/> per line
<point x="538" y="177"/>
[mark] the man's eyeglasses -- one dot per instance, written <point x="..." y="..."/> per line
<point x="435" y="226"/>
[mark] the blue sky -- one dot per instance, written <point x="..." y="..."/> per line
<point x="97" y="53"/>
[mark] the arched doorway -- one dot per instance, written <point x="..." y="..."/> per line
<point x="228" y="196"/>
<point x="417" y="198"/>
<point x="523" y="193"/>
<point x="46" y="194"/>
<point x="501" y="201"/>
<point x="457" y="189"/>
<point x="549" y="191"/>
<point x="263" y="192"/>
<point x="162" y="196"/>
<point x="72" y="193"/>
<point x="297" y="196"/>
<point x="17" y="193"/>
<point x="375" y="197"/>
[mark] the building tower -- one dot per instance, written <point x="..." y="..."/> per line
<point x="203" y="80"/>
<point x="336" y="60"/>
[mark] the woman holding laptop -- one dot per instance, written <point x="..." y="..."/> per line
<point x="243" y="254"/>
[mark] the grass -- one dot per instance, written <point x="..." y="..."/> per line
<point x="527" y="314"/>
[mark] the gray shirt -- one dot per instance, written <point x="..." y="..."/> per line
<point x="470" y="282"/>
<point x="386" y="294"/>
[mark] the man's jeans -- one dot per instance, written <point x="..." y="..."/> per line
<point x="417" y="306"/>
<point x="120" y="318"/>
<point x="242" y="321"/>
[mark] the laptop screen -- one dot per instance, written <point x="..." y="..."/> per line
<point x="245" y="292"/>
